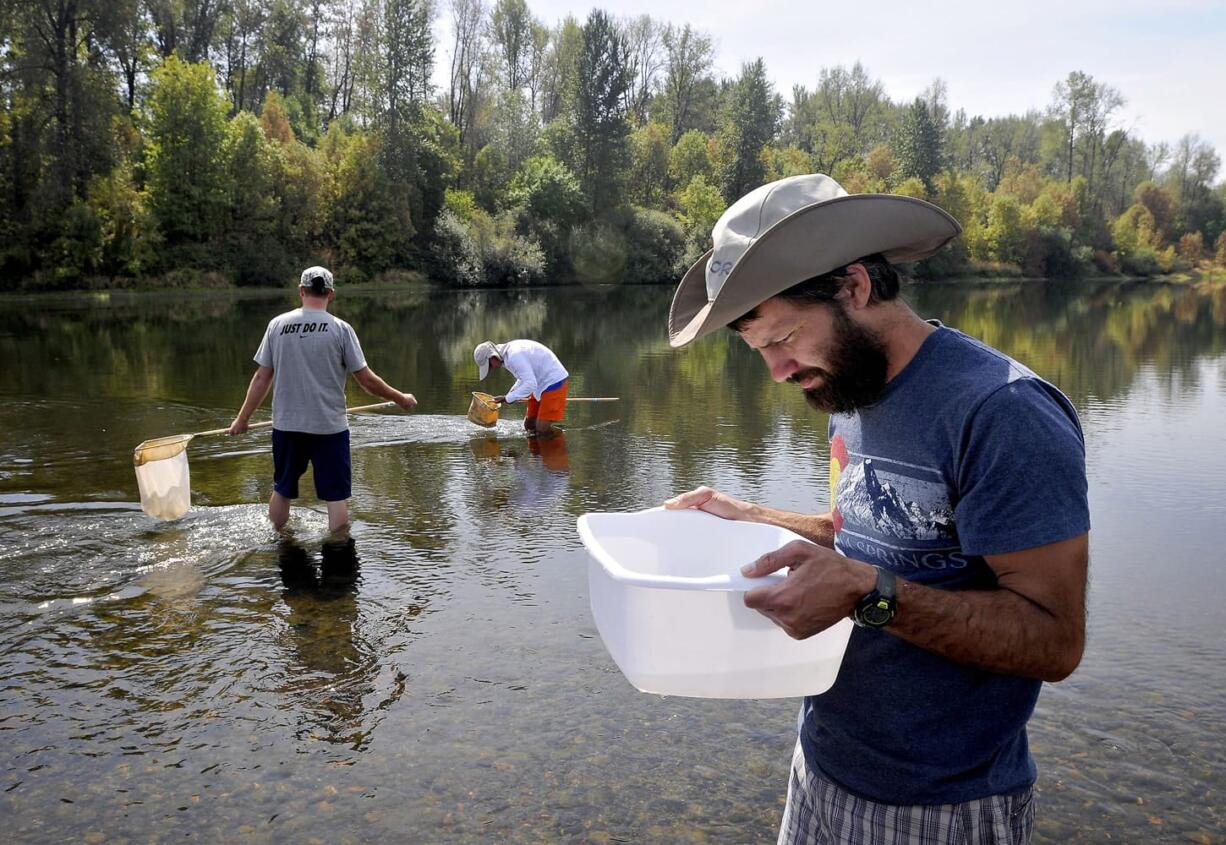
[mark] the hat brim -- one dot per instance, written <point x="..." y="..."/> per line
<point x="483" y="370"/>
<point x="812" y="241"/>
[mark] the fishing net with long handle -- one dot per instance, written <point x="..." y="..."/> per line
<point x="163" y="476"/>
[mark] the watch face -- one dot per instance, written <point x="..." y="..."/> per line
<point x="878" y="613"/>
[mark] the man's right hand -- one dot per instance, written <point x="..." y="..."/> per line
<point x="407" y="401"/>
<point x="713" y="502"/>
<point x="238" y="426"/>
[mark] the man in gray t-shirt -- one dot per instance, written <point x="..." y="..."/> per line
<point x="309" y="353"/>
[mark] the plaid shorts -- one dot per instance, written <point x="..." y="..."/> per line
<point x="820" y="812"/>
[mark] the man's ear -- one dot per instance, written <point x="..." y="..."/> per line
<point x="858" y="285"/>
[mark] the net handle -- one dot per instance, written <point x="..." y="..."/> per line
<point x="268" y="423"/>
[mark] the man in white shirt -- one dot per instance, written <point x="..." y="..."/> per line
<point x="540" y="378"/>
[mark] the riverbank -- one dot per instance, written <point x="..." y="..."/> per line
<point x="205" y="282"/>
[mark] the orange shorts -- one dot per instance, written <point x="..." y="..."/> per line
<point x="552" y="405"/>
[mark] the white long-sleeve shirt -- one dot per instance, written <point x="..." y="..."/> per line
<point x="534" y="366"/>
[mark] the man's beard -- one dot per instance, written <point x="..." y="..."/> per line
<point x="857" y="373"/>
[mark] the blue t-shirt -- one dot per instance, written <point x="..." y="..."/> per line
<point x="966" y="454"/>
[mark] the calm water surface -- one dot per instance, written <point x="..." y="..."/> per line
<point x="207" y="679"/>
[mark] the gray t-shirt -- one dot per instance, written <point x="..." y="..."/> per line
<point x="311" y="353"/>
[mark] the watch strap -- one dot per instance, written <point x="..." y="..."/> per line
<point x="877" y="609"/>
<point x="887" y="583"/>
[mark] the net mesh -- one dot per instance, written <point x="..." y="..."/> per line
<point x="483" y="410"/>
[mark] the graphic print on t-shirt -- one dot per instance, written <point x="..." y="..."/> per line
<point x="891" y="513"/>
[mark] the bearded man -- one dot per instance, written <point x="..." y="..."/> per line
<point x="957" y="538"/>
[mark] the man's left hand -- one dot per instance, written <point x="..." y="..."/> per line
<point x="821" y="587"/>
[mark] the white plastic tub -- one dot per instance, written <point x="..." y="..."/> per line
<point x="668" y="599"/>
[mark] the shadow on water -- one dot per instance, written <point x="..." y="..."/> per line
<point x="334" y="667"/>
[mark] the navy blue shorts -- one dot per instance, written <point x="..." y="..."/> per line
<point x="328" y="454"/>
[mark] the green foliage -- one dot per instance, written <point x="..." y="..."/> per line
<point x="957" y="196"/>
<point x="917" y="145"/>
<point x="749" y="122"/>
<point x="1051" y="253"/>
<point x="485" y="252"/>
<point x="912" y="187"/>
<point x="1005" y="235"/>
<point x="649" y="165"/>
<point x="686" y="100"/>
<point x="303" y="194"/>
<point x="489" y="174"/>
<point x="129" y="244"/>
<point x="847" y="115"/>
<point x="633" y="246"/>
<point x="371" y="224"/>
<point x="561" y="84"/>
<point x="254" y="176"/>
<point x="461" y="204"/>
<point x="439" y="158"/>
<point x="184" y="165"/>
<point x="781" y="163"/>
<point x="689" y="157"/>
<point x="546" y="201"/>
<point x="1135" y="231"/>
<point x="117" y="163"/>
<point x="548" y="191"/>
<point x="1142" y="261"/>
<point x="655" y="247"/>
<point x="701" y="205"/>
<point x="78" y="248"/>
<point x="600" y="127"/>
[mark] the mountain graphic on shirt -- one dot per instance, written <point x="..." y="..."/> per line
<point x="868" y="499"/>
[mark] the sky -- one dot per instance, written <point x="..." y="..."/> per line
<point x="997" y="57"/>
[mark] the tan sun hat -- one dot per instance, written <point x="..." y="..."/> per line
<point x="794" y="229"/>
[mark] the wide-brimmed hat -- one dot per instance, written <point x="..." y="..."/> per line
<point x="794" y="229"/>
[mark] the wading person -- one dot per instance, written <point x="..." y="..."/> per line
<point x="308" y="353"/>
<point x="540" y="378"/>
<point x="958" y="535"/>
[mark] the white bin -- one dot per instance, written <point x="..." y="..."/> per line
<point x="668" y="599"/>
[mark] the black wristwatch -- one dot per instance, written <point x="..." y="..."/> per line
<point x="877" y="609"/>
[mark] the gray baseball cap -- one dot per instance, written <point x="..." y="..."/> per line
<point x="310" y="274"/>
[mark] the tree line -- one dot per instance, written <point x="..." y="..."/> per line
<point x="232" y="141"/>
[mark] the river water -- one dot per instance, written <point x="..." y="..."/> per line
<point x="441" y="680"/>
